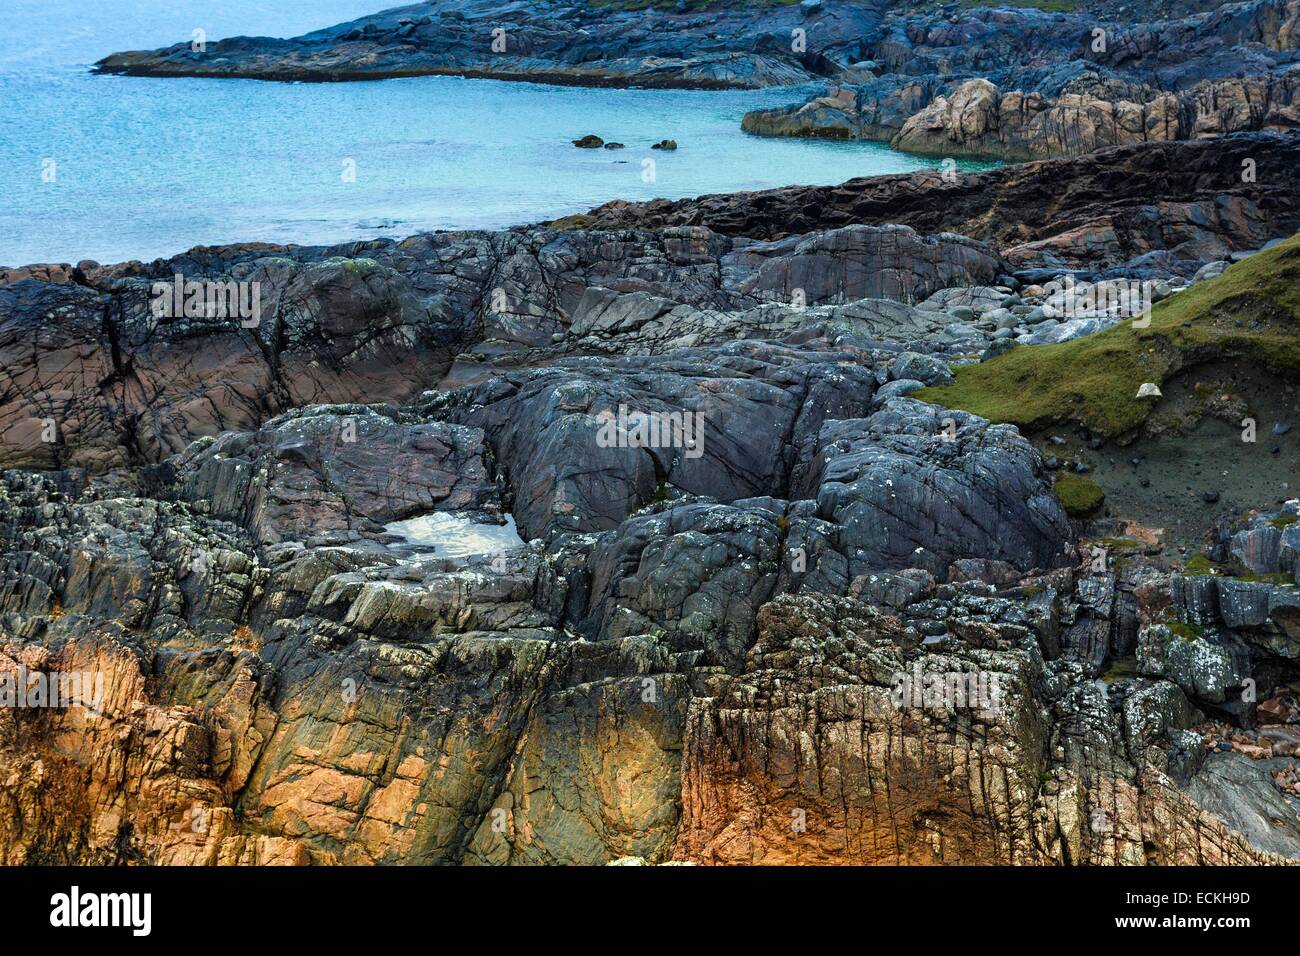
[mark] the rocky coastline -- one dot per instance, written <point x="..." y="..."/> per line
<point x="945" y="80"/>
<point x="802" y="526"/>
<point x="1023" y="84"/>
<point x="732" y="46"/>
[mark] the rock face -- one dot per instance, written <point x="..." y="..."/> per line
<point x="118" y="385"/>
<point x="914" y="486"/>
<point x="124" y="385"/>
<point x="979" y="120"/>
<point x="963" y="784"/>
<point x="1186" y="198"/>
<point x="335" y="471"/>
<point x="552" y="41"/>
<point x="321" y="702"/>
<point x="1022" y="84"/>
<point x="691" y="579"/>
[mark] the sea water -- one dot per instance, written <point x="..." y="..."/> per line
<point x="112" y="168"/>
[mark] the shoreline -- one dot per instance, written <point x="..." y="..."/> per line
<point x="903" y="200"/>
<point x="1001" y="83"/>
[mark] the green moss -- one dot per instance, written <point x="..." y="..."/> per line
<point x="1285" y="521"/>
<point x="1285" y="580"/>
<point x="1120" y="669"/>
<point x="1119" y="545"/>
<point x="1188" y="632"/>
<point x="1078" y="495"/>
<point x="1200" y="564"/>
<point x="358" y="264"/>
<point x="1252" y="312"/>
<point x="572" y="223"/>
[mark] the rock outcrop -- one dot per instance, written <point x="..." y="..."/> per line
<point x="1022" y="84"/>
<point x="1102" y="209"/>
<point x="589" y="44"/>
<point x="570" y="546"/>
<point x="1011" y="83"/>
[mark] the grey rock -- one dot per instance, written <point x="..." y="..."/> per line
<point x="1050" y="334"/>
<point x="904" y="496"/>
<point x="900" y="386"/>
<point x="1152" y="712"/>
<point x="923" y="368"/>
<point x="1207" y="666"/>
<point x="1237" y="790"/>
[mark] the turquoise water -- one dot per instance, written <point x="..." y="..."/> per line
<point x="148" y="167"/>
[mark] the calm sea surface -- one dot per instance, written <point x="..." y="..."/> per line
<point x="113" y="168"/>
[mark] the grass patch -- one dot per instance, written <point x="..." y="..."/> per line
<point x="1079" y="496"/>
<point x="1200" y="564"/>
<point x="1282" y="580"/>
<point x="1119" y="545"/>
<point x="572" y="223"/>
<point x="1252" y="312"/>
